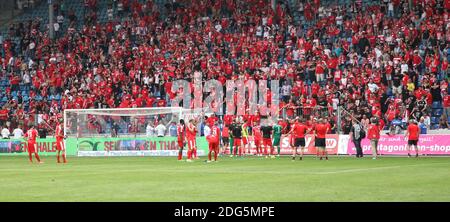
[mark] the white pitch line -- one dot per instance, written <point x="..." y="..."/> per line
<point x="376" y="168"/>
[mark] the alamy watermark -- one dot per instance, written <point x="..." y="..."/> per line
<point x="240" y="97"/>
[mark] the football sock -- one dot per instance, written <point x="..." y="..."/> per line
<point x="180" y="154"/>
<point x="189" y="154"/>
<point x="37" y="157"/>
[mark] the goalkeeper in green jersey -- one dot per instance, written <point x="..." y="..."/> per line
<point x="277" y="131"/>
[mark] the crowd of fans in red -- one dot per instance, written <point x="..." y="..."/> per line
<point x="372" y="60"/>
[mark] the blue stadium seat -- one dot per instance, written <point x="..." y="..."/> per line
<point x="436" y="105"/>
<point x="435" y="126"/>
<point x="437" y="112"/>
<point x="434" y="120"/>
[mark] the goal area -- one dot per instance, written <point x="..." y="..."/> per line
<point x="126" y="131"/>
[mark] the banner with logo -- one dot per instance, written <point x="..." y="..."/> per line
<point x="397" y="144"/>
<point x="150" y="146"/>
<point x="44" y="147"/>
<point x="153" y="146"/>
<point x="332" y="142"/>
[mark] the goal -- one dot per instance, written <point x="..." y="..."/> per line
<point x="125" y="132"/>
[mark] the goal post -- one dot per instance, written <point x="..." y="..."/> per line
<point x="126" y="131"/>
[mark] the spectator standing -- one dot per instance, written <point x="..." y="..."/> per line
<point x="356" y="134"/>
<point x="18" y="133"/>
<point x="422" y="126"/>
<point x="150" y="130"/>
<point x="5" y="132"/>
<point x="173" y="129"/>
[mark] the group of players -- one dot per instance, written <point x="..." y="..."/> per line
<point x="31" y="135"/>
<point x="266" y="138"/>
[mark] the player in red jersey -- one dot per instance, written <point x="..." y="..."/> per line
<point x="31" y="135"/>
<point x="213" y="140"/>
<point x="413" y="137"/>
<point x="291" y="137"/>
<point x="181" y="134"/>
<point x="257" y="138"/>
<point x="60" y="146"/>
<point x="320" y="132"/>
<point x="225" y="138"/>
<point x="299" y="131"/>
<point x="191" y="132"/>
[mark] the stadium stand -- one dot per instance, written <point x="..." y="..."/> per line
<point x="373" y="58"/>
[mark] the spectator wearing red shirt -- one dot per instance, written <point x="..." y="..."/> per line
<point x="446" y="102"/>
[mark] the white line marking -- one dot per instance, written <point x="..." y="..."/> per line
<point x="377" y="168"/>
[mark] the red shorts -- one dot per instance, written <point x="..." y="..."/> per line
<point x="213" y="146"/>
<point x="245" y="140"/>
<point x="237" y="142"/>
<point x="180" y="144"/>
<point x="32" y="147"/>
<point x="60" y="145"/>
<point x="191" y="143"/>
<point x="267" y="141"/>
<point x="257" y="142"/>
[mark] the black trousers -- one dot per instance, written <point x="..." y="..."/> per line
<point x="357" y="143"/>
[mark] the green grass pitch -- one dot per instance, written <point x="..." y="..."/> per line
<point x="230" y="179"/>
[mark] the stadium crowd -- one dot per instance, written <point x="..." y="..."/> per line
<point x="379" y="60"/>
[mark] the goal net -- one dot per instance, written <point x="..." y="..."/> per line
<point x="126" y="132"/>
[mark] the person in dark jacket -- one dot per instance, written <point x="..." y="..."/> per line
<point x="356" y="135"/>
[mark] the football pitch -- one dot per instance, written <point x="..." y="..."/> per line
<point x="231" y="179"/>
